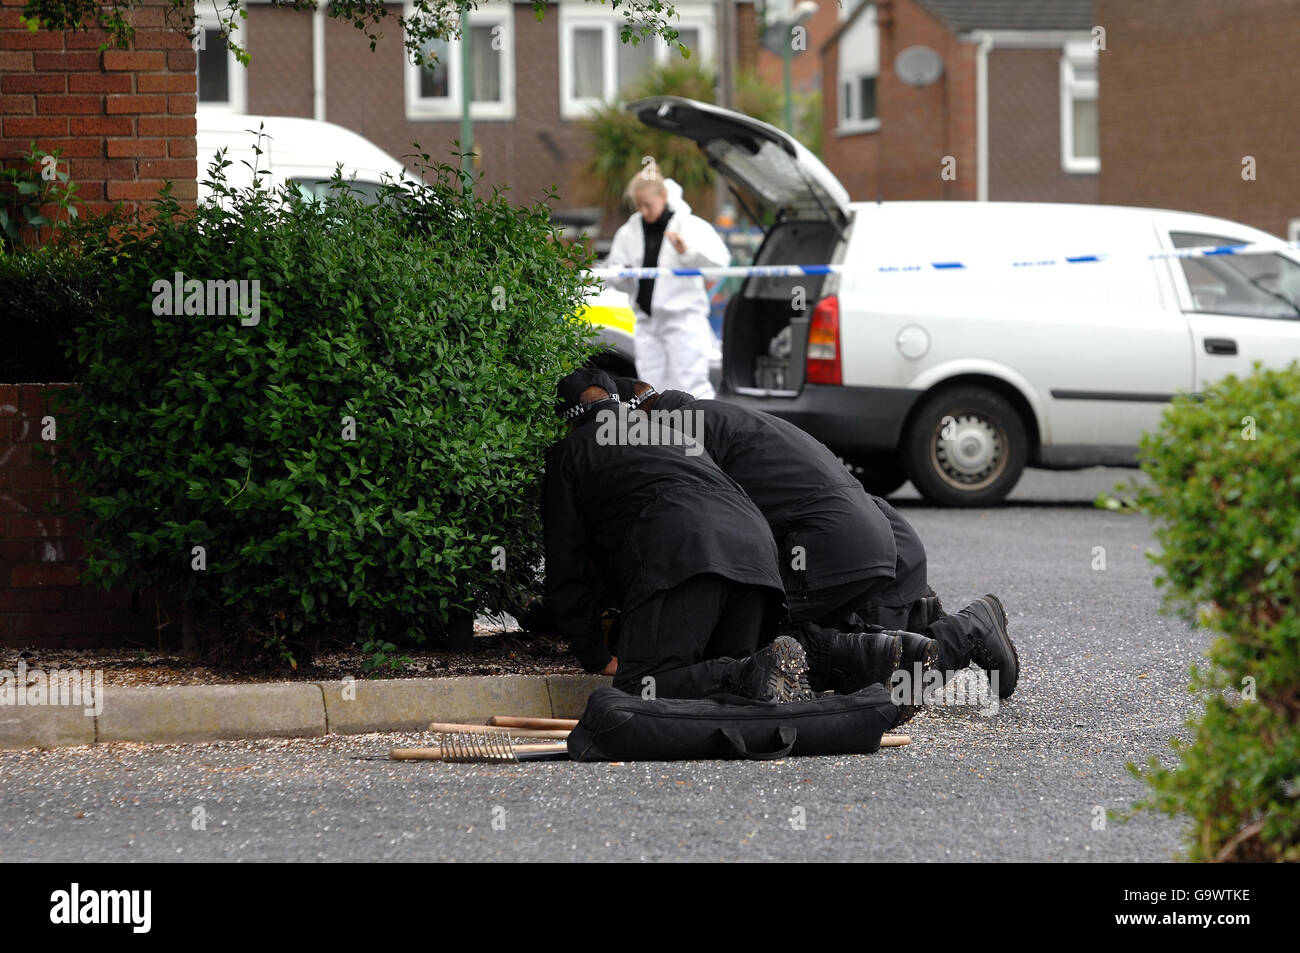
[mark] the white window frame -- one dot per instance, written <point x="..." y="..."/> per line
<point x="849" y="126"/>
<point x="847" y="107"/>
<point x="425" y="108"/>
<point x="1073" y="88"/>
<point x="237" y="73"/>
<point x="580" y="16"/>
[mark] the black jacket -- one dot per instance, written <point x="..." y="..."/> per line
<point x="626" y="520"/>
<point x="807" y="496"/>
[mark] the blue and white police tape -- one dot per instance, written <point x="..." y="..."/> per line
<point x="799" y="271"/>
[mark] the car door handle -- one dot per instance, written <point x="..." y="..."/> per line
<point x="1220" y="346"/>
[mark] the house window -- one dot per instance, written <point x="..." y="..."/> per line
<point x="859" y="65"/>
<point x="1079" y="129"/>
<point x="434" y="92"/>
<point x="221" y="78"/>
<point x="596" y="67"/>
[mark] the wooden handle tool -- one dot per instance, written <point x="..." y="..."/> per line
<point x="515" y="721"/>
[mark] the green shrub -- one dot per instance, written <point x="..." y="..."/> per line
<point x="1226" y="494"/>
<point x="47" y="293"/>
<point x="37" y="198"/>
<point x="349" y="452"/>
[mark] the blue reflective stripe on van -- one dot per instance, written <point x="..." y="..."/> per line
<point x="794" y="271"/>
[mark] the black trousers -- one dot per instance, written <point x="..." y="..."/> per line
<point x="885" y="601"/>
<point x="689" y="639"/>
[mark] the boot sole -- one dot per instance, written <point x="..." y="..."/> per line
<point x="788" y="681"/>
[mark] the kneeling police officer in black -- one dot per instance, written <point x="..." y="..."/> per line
<point x="844" y="554"/>
<point x="657" y="529"/>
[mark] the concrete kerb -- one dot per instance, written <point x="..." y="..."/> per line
<point x="211" y="713"/>
<point x="45" y="726"/>
<point x="178" y="714"/>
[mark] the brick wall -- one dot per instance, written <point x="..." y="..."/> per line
<point x="1025" y="130"/>
<point x="280" y="62"/>
<point x="1190" y="87"/>
<point x="42" y="555"/>
<point x="918" y="127"/>
<point x="365" y="92"/>
<point x="123" y="118"/>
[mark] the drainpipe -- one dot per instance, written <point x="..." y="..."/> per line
<point x="984" y="43"/>
<point x="466" y="91"/>
<point x="318" y="62"/>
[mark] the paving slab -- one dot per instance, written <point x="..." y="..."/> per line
<point x="165" y="715"/>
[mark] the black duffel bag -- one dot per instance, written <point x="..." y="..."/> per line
<point x="617" y="726"/>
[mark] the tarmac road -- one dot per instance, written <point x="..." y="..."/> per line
<point x="1104" y="683"/>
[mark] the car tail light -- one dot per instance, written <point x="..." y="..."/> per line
<point x="824" y="343"/>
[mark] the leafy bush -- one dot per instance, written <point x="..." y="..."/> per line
<point x="1226" y="492"/>
<point x="33" y="193"/>
<point x="349" y="446"/>
<point x="47" y="294"/>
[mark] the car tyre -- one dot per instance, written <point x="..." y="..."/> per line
<point x="966" y="446"/>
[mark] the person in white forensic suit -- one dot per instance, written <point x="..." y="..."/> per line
<point x="674" y="341"/>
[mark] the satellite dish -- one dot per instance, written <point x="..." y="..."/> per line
<point x="918" y="66"/>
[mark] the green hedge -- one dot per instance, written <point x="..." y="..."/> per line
<point x="47" y="294"/>
<point x="350" y="462"/>
<point x="1225" y="491"/>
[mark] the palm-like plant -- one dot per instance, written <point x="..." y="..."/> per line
<point x="620" y="141"/>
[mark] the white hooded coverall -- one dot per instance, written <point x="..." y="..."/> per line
<point x="675" y="341"/>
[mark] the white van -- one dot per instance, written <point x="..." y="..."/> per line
<point x="302" y="151"/>
<point x="959" y="377"/>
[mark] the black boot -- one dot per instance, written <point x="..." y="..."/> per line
<point x="956" y="637"/>
<point x="846" y="662"/>
<point x="859" y="659"/>
<point x="920" y="655"/>
<point x="978" y="633"/>
<point x="924" y="612"/>
<point x="994" y="651"/>
<point x="775" y="673"/>
<point x="918" y="648"/>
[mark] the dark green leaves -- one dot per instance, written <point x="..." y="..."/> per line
<point x="348" y="463"/>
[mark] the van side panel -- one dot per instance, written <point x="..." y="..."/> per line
<point x="1096" y="341"/>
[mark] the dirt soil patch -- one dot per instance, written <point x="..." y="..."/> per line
<point x="496" y="651"/>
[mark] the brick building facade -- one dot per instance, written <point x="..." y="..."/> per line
<point x="996" y="119"/>
<point x="124" y="119"/>
<point x="1189" y="90"/>
<point x="42" y="554"/>
<point x="535" y="144"/>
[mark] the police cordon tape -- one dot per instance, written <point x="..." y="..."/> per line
<point x="798" y="271"/>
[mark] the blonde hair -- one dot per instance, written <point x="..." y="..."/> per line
<point x="650" y="176"/>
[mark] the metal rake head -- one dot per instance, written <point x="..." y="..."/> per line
<point x="465" y="748"/>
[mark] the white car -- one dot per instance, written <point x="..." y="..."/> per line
<point x="959" y="377"/>
<point x="302" y="151"/>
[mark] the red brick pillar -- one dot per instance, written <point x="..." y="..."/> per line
<point x="43" y="600"/>
<point x="124" y="119"/>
